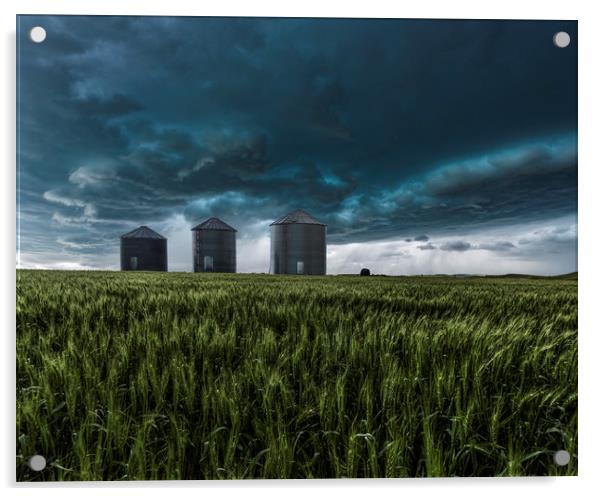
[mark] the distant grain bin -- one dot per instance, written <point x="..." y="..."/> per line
<point x="143" y="249"/>
<point x="214" y="247"/>
<point x="298" y="245"/>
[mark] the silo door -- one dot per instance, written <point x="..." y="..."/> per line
<point x="300" y="267"/>
<point x="133" y="263"/>
<point x="208" y="263"/>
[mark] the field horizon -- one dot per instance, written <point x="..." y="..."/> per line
<point x="567" y="275"/>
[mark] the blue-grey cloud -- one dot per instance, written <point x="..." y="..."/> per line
<point x="461" y="245"/>
<point x="456" y="246"/>
<point x="427" y="246"/>
<point x="497" y="246"/>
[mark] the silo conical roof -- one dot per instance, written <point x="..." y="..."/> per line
<point x="143" y="232"/>
<point x="297" y="217"/>
<point x="213" y="224"/>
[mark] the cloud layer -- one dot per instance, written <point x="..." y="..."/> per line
<point x="167" y="121"/>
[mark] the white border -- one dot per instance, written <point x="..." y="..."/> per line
<point x="590" y="210"/>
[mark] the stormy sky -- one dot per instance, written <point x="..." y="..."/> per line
<point x="426" y="146"/>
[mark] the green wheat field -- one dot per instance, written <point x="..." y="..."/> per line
<point x="130" y="376"/>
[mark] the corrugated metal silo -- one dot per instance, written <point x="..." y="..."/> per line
<point x="298" y="245"/>
<point x="143" y="249"/>
<point x="214" y="246"/>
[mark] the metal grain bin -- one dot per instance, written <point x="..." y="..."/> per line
<point x="298" y="245"/>
<point x="143" y="249"/>
<point x="214" y="247"/>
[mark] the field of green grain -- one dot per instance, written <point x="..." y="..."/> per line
<point x="129" y="376"/>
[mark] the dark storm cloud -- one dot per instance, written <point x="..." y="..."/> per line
<point x="523" y="183"/>
<point x="456" y="246"/>
<point x="428" y="246"/>
<point x="459" y="245"/>
<point x="497" y="246"/>
<point x="379" y="128"/>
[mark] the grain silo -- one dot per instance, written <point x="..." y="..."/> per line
<point x="214" y="246"/>
<point x="298" y="245"/>
<point x="143" y="249"/>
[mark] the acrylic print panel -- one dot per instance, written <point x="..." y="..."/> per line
<point x="295" y="248"/>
